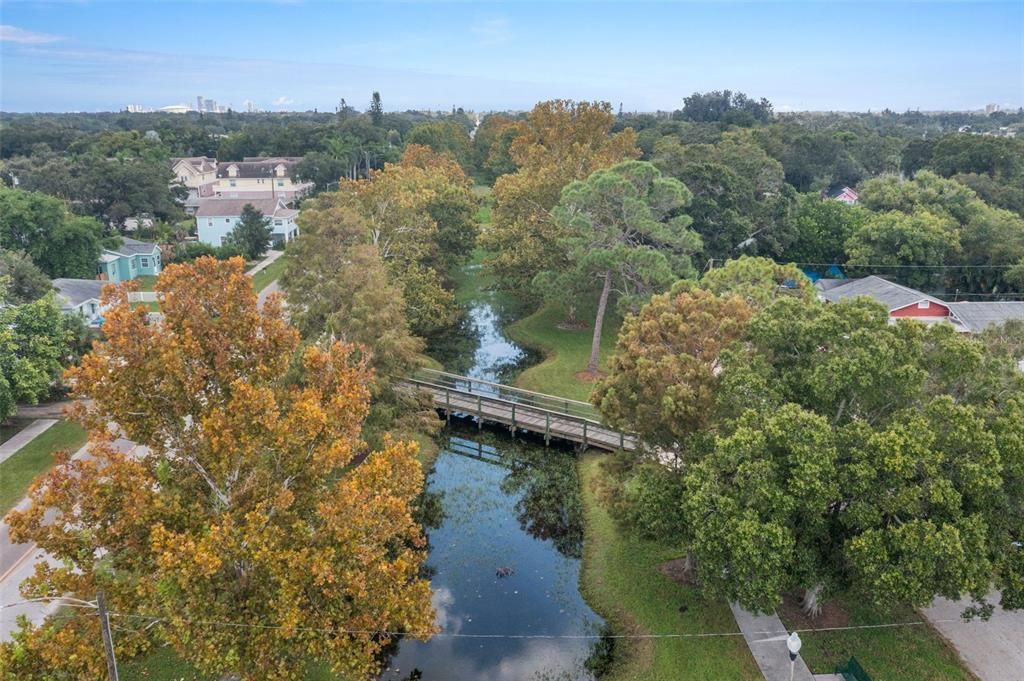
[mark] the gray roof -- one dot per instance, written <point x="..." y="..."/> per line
<point x="824" y="284"/>
<point x="257" y="167"/>
<point x="134" y="247"/>
<point x="223" y="208"/>
<point x="78" y="291"/>
<point x="200" y="163"/>
<point x="893" y="296"/>
<point x="978" y="316"/>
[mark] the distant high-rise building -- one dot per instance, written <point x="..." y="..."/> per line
<point x="991" y="109"/>
<point x="209" y="105"/>
<point x="199" y="102"/>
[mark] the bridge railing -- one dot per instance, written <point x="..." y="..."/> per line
<point x="476" y="386"/>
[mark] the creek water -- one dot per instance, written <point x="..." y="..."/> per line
<point x="505" y="555"/>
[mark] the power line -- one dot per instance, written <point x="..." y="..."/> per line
<point x="153" y="619"/>
<point x="442" y="634"/>
<point x="908" y="267"/>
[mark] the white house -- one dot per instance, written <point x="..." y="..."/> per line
<point x="216" y="218"/>
<point x="81" y="297"/>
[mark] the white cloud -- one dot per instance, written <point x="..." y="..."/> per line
<point x="492" y="31"/>
<point x="13" y="34"/>
<point x="283" y="101"/>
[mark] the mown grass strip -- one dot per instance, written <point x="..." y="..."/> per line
<point x="35" y="458"/>
<point x="621" y="581"/>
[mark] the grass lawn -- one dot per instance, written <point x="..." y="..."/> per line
<point x="18" y="472"/>
<point x="912" y="653"/>
<point x="621" y="581"/>
<point x="566" y="352"/>
<point x="146" y="282"/>
<point x="164" y="665"/>
<point x="270" y="273"/>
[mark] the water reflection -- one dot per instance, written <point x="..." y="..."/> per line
<point x="505" y="508"/>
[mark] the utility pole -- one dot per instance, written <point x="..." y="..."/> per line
<point x="108" y="640"/>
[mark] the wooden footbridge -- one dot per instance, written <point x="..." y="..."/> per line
<point x="546" y="415"/>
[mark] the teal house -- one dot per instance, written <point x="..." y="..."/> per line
<point x="129" y="260"/>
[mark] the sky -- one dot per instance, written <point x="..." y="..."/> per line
<point x="304" y="54"/>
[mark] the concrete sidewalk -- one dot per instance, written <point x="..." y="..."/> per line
<point x="265" y="263"/>
<point x="26" y="435"/>
<point x="993" y="649"/>
<point x="766" y="637"/>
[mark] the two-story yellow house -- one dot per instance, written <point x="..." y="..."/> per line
<point x="259" y="177"/>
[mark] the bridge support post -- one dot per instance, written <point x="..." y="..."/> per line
<point x="479" y="413"/>
<point x="447" y="406"/>
<point x="513" y="427"/>
<point x="547" y="428"/>
<point x="584" y="435"/>
<point x="622" y="439"/>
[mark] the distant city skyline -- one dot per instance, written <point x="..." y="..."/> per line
<point x="279" y="56"/>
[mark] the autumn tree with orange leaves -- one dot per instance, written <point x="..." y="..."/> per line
<point x="238" y="531"/>
<point x="559" y="142"/>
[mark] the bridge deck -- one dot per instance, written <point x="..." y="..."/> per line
<point x="544" y="415"/>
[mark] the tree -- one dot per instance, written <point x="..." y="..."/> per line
<point x="60" y="244"/>
<point x="621" y="228"/>
<point x="243" y="505"/>
<point x="821" y="230"/>
<point x="418" y="214"/>
<point x="35" y="342"/>
<point x="26" y="283"/>
<point x="741" y="201"/>
<point x="560" y="141"/>
<point x="444" y="137"/>
<point x="452" y="205"/>
<point x="870" y="455"/>
<point x="337" y="286"/>
<point x="758" y="281"/>
<point x="662" y="376"/>
<point x="251" y="236"/>
<point x="725" y="107"/>
<point x="919" y="240"/>
<point x="491" y="147"/>
<point x="376" y="110"/>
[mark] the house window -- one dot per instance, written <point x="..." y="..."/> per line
<point x="278" y="222"/>
<point x="209" y="222"/>
<point x="922" y="305"/>
<point x="232" y="183"/>
<point x="227" y="219"/>
<point x="132" y="263"/>
<point x="184" y="179"/>
<point x="280" y="183"/>
<point x="145" y="262"/>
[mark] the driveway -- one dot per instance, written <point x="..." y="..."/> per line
<point x="993" y="650"/>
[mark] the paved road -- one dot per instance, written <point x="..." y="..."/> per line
<point x="24" y="436"/>
<point x="993" y="650"/>
<point x="17" y="562"/>
<point x="766" y="637"/>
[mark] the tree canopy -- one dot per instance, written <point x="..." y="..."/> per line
<point x="251" y="236"/>
<point x="60" y="244"/>
<point x="560" y="141"/>
<point x="241" y="504"/>
<point x="621" y="230"/>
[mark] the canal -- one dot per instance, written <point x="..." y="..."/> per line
<point x="505" y="555"/>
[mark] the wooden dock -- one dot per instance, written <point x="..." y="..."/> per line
<point x="546" y="415"/>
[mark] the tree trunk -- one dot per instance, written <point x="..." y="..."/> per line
<point x="602" y="305"/>
<point x="812" y="601"/>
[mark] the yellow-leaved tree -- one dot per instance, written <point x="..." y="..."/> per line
<point x="560" y="141"/>
<point x="238" y="531"/>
